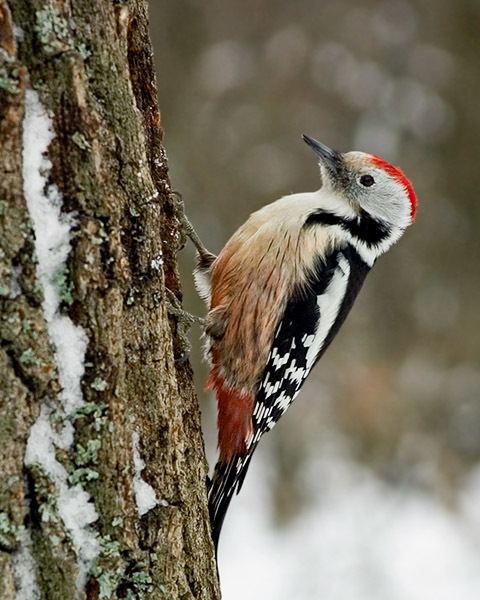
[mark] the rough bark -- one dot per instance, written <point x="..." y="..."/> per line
<point x="91" y="64"/>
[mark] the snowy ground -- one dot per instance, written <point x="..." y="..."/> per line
<point x="363" y="540"/>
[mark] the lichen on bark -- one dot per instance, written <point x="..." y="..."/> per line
<point x="91" y="64"/>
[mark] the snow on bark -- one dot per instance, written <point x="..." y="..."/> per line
<point x="52" y="246"/>
<point x="145" y="496"/>
<point x="74" y="503"/>
<point x="52" y="230"/>
<point x="24" y="570"/>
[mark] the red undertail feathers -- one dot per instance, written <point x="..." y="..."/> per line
<point x="234" y="417"/>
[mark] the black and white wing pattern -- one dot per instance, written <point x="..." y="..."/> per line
<point x="311" y="320"/>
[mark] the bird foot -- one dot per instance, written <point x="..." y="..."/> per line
<point x="188" y="230"/>
<point x="185" y="320"/>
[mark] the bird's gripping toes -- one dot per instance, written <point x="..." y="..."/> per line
<point x="279" y="291"/>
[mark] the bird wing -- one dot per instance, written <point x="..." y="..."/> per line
<point x="311" y="320"/>
<point x="312" y="317"/>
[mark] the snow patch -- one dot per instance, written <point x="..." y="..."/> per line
<point x="77" y="511"/>
<point x="145" y="496"/>
<point x="70" y="343"/>
<point x="42" y="443"/>
<point x="24" y="570"/>
<point x="52" y="245"/>
<point x="74" y="504"/>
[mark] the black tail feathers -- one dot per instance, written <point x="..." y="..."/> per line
<point x="226" y="481"/>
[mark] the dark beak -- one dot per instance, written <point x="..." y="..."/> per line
<point x="329" y="158"/>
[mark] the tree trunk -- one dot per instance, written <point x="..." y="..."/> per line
<point x="102" y="493"/>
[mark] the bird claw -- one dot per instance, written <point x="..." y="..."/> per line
<point x="175" y="308"/>
<point x="185" y="320"/>
<point x="188" y="229"/>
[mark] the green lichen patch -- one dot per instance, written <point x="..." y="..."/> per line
<point x="84" y="50"/>
<point x="26" y="325"/>
<point x="10" y="532"/>
<point x="108" y="583"/>
<point x="87" y="409"/>
<point x="23" y="332"/>
<point x="45" y="493"/>
<point x="48" y="510"/>
<point x="108" y="568"/>
<point x="28" y="357"/>
<point x="99" y="384"/>
<point x="9" y="80"/>
<point x="141" y="582"/>
<point x="83" y="475"/>
<point x="88" y="454"/>
<point x="64" y="285"/>
<point x="52" y="30"/>
<point x="95" y="412"/>
<point x="52" y="549"/>
<point x="109" y="547"/>
<point x="81" y="141"/>
<point x="117" y="580"/>
<point x="84" y="456"/>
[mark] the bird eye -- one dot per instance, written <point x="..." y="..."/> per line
<point x="366" y="180"/>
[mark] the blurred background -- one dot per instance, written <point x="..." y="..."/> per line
<point x="369" y="488"/>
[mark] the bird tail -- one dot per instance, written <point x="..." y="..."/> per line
<point x="227" y="480"/>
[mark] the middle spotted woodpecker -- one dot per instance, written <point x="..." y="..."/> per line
<point x="279" y="291"/>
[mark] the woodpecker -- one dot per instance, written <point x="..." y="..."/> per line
<point x="280" y="290"/>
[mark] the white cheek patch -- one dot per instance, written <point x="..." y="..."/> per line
<point x="388" y="201"/>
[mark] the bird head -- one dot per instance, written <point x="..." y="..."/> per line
<point x="367" y="183"/>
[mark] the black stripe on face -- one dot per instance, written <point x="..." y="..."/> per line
<point x="365" y="228"/>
